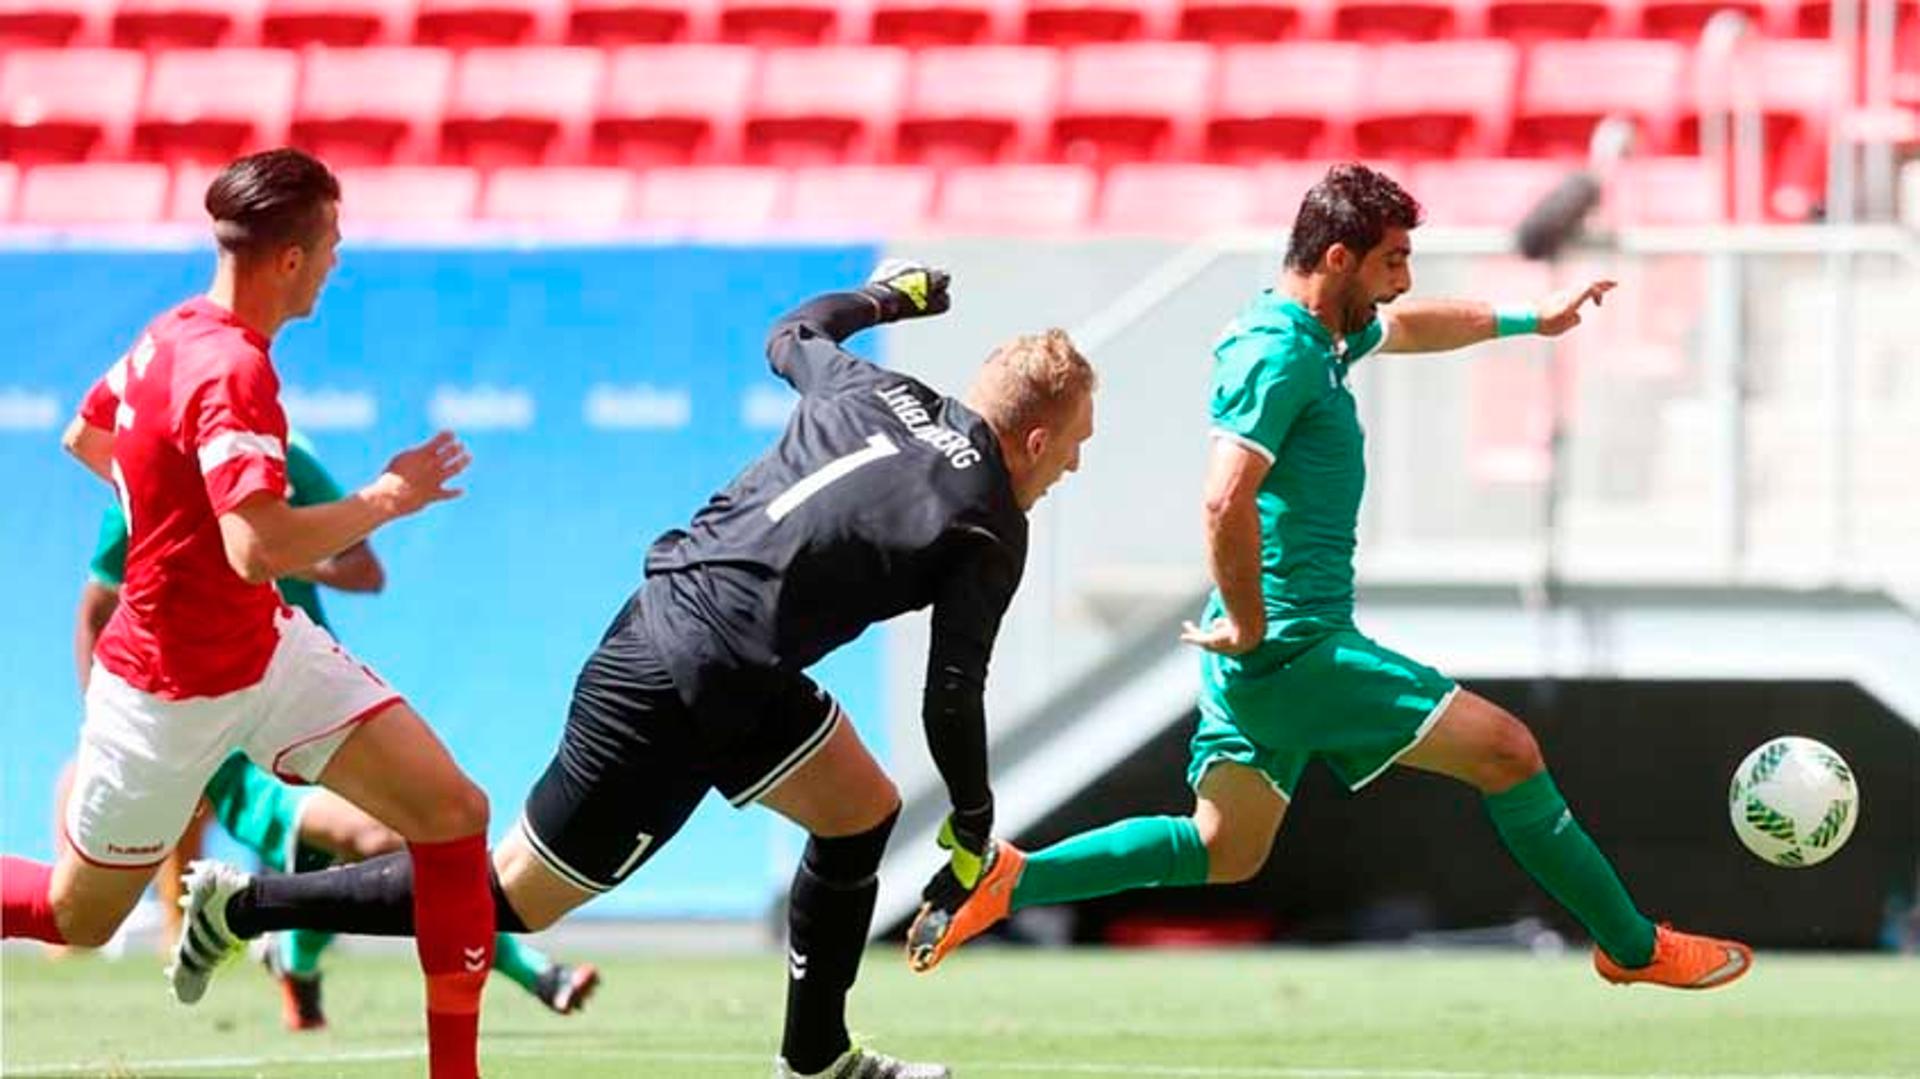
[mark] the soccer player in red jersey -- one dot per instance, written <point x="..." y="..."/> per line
<point x="202" y="657"/>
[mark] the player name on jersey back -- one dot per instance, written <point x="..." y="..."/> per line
<point x="957" y="448"/>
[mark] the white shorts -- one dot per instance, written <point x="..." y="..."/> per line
<point x="144" y="760"/>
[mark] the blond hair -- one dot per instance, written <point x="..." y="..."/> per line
<point x="1031" y="379"/>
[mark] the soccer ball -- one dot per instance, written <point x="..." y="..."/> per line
<point x="1793" y="801"/>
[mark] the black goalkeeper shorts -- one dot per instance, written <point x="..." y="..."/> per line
<point x="635" y="759"/>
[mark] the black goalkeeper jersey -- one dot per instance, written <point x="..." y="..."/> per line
<point x="881" y="497"/>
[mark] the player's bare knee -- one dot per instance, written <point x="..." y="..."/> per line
<point x="1512" y="758"/>
<point x="1231" y="862"/>
<point x="372" y="840"/>
<point x="454" y="814"/>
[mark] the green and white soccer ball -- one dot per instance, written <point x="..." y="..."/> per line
<point x="1794" y="802"/>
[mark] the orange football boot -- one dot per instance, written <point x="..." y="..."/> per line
<point x="935" y="931"/>
<point x="1682" y="961"/>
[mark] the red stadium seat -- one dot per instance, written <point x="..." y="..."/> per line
<point x="1176" y="199"/>
<point x="111" y="194"/>
<point x="185" y="24"/>
<point x="1440" y="99"/>
<point x="1279" y="186"/>
<point x="1482" y="193"/>
<point x="575" y="197"/>
<point x="1230" y="22"/>
<point x="728" y="199"/>
<point x="197" y="109"/>
<point x="68" y="104"/>
<point x="922" y="23"/>
<point x="1799" y="87"/>
<point x="1570" y="86"/>
<point x="1016" y="199"/>
<point x="407" y="195"/>
<point x="467" y="24"/>
<point x="978" y="105"/>
<point x="1814" y="18"/>
<point x="32" y="24"/>
<point x="877" y="200"/>
<point x="1133" y="102"/>
<point x="1292" y="100"/>
<point x="1666" y="191"/>
<point x="292" y="24"/>
<point x="1544" y="20"/>
<point x="9" y="182"/>
<point x="187" y="194"/>
<point x="1402" y="20"/>
<point x="372" y="106"/>
<point x="824" y="106"/>
<point x="1682" y="20"/>
<point x="524" y="106"/>
<point x="612" y="23"/>
<point x="790" y="22"/>
<point x="674" y="104"/>
<point x="1079" y="22"/>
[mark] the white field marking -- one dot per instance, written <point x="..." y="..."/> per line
<point x="564" y="1048"/>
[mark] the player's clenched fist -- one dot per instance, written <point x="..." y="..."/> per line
<point x="418" y="477"/>
<point x="901" y="289"/>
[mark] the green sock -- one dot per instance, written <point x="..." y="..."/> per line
<point x="1539" y="830"/>
<point x="523" y="963"/>
<point x="300" y="951"/>
<point x="1141" y="852"/>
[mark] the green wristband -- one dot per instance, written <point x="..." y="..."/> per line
<point x="1515" y="320"/>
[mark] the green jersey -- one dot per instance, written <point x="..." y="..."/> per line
<point x="308" y="484"/>
<point x="1280" y="389"/>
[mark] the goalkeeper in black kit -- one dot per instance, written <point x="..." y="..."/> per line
<point x="881" y="497"/>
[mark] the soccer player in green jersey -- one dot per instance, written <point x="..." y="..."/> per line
<point x="1286" y="675"/>
<point x="297" y="829"/>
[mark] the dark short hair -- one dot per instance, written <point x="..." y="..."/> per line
<point x="270" y="200"/>
<point x="1352" y="205"/>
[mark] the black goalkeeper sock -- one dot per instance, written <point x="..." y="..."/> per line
<point x="373" y="898"/>
<point x="828" y="914"/>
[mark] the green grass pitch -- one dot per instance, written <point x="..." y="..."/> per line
<point x="1007" y="1014"/>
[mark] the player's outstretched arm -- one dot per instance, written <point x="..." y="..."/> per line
<point x="266" y="538"/>
<point x="804" y="345"/>
<point x="1444" y="325"/>
<point x="966" y="619"/>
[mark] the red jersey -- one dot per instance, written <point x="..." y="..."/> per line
<point x="195" y="413"/>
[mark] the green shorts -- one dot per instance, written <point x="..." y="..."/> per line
<point x="1338" y="696"/>
<point x="262" y="814"/>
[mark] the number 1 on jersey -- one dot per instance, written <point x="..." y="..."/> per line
<point x="878" y="446"/>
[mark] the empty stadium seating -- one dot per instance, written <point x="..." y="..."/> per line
<point x="372" y="106"/>
<point x="213" y="104"/>
<point x="411" y="195"/>
<point x="525" y="106"/>
<point x="674" y="104"/>
<point x="1481" y="102"/>
<point x="68" y="104"/>
<point x="52" y="23"/>
<point x="710" y="198"/>
<point x="819" y="106"/>
<point x="122" y="193"/>
<point x="569" y="197"/>
<point x="977" y="105"/>
<point x="880" y="199"/>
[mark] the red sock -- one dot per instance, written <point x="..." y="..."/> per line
<point x="25" y="910"/>
<point x="453" y="930"/>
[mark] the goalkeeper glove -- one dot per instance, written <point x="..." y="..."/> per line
<point x="903" y="289"/>
<point x="966" y="836"/>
